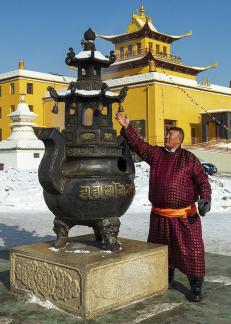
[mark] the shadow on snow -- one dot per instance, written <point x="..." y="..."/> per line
<point x="14" y="236"/>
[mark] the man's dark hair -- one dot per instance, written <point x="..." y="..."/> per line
<point x="179" y="130"/>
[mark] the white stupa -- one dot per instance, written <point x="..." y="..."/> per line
<point x="22" y="149"/>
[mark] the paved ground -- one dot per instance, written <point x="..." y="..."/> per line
<point x="170" y="307"/>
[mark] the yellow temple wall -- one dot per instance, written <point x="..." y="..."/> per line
<point x="36" y="100"/>
<point x="157" y="102"/>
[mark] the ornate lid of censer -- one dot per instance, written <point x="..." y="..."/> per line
<point x="88" y="109"/>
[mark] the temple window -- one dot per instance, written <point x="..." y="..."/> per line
<point x="83" y="72"/>
<point x="94" y="72"/>
<point x="12" y="88"/>
<point x="121" y="52"/>
<point x="139" y="126"/>
<point x="31" y="108"/>
<point x="157" y="48"/>
<point x="138" y="48"/>
<point x="0" y="134"/>
<point x="87" y="119"/>
<point x="168" y="123"/>
<point x="0" y="91"/>
<point x="129" y="49"/>
<point x="194" y="139"/>
<point x="150" y="45"/>
<point x="29" y="88"/>
<point x="164" y="50"/>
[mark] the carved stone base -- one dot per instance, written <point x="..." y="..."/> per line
<point x="87" y="281"/>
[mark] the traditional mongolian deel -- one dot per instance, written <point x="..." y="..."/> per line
<point x="176" y="181"/>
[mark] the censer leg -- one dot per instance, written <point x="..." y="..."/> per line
<point x="61" y="229"/>
<point x="97" y="228"/>
<point x="107" y="231"/>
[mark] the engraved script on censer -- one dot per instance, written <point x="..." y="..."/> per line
<point x="98" y="190"/>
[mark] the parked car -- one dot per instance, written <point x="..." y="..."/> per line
<point x="209" y="167"/>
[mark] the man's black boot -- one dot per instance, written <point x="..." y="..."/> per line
<point x="171" y="272"/>
<point x="196" y="288"/>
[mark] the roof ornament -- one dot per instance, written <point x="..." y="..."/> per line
<point x="21" y="65"/>
<point x="70" y="56"/>
<point x="88" y="41"/>
<point x="141" y="10"/>
<point x="112" y="57"/>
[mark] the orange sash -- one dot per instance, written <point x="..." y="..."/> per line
<point x="174" y="212"/>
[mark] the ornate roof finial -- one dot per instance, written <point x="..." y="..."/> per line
<point x="21" y="65"/>
<point x="141" y="10"/>
<point x="88" y="42"/>
<point x="89" y="35"/>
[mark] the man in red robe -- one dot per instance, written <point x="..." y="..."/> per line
<point x="177" y="181"/>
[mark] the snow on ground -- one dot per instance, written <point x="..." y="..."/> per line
<point x="223" y="145"/>
<point x="25" y="218"/>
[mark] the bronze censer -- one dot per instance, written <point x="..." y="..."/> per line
<point x="87" y="180"/>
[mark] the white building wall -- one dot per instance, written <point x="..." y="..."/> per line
<point x="9" y="159"/>
<point x="21" y="159"/>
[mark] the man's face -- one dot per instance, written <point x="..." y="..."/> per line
<point x="172" y="140"/>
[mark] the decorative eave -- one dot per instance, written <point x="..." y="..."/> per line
<point x="159" y="62"/>
<point x="87" y="93"/>
<point x="86" y="55"/>
<point x="192" y="70"/>
<point x="104" y="93"/>
<point x="73" y="60"/>
<point x="146" y="31"/>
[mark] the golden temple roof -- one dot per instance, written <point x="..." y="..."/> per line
<point x="142" y="22"/>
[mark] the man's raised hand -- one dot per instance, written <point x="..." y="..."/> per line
<point x="122" y="120"/>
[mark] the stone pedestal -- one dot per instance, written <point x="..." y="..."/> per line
<point x="86" y="281"/>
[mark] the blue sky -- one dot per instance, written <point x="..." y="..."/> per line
<point x="40" y="32"/>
